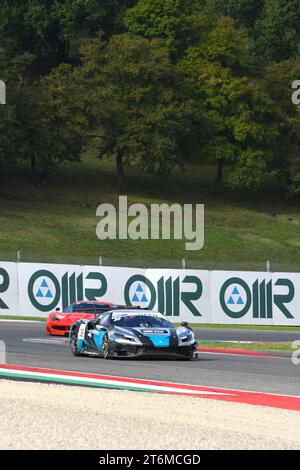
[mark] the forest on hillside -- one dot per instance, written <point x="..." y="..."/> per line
<point x="153" y="83"/>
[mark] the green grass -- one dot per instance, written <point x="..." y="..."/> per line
<point x="56" y="221"/>
<point x="266" y="347"/>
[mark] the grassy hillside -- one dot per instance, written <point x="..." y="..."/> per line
<point x="56" y="221"/>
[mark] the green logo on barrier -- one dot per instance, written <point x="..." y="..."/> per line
<point x="236" y="297"/>
<point x="168" y="292"/>
<point x="45" y="290"/>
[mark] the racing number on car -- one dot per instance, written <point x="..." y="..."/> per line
<point x="81" y="331"/>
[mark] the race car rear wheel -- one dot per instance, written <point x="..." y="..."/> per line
<point x="105" y="347"/>
<point x="73" y="345"/>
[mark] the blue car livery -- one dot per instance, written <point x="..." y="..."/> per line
<point x="131" y="333"/>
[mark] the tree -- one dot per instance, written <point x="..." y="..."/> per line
<point x="240" y="122"/>
<point x="46" y="28"/>
<point x="51" y="125"/>
<point x="227" y="44"/>
<point x="44" y="121"/>
<point x="237" y="114"/>
<point x="178" y="22"/>
<point x="6" y="121"/>
<point x="278" y="80"/>
<point x="13" y="72"/>
<point x="277" y="31"/>
<point x="136" y="106"/>
<point x="273" y="27"/>
<point x="245" y="12"/>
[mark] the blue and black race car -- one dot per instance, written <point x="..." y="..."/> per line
<point x="131" y="333"/>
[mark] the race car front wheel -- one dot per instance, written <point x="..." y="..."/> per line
<point x="189" y="355"/>
<point x="73" y="345"/>
<point x="105" y="347"/>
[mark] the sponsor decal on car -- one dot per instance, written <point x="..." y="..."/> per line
<point x="155" y="332"/>
<point x="81" y="331"/>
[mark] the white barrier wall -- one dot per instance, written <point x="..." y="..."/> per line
<point x="195" y="296"/>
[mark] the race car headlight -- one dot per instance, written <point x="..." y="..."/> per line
<point x="57" y="316"/>
<point x="188" y="338"/>
<point x="129" y="338"/>
<point x="124" y="338"/>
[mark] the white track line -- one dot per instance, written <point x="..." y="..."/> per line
<point x="21" y="321"/>
<point x="62" y="341"/>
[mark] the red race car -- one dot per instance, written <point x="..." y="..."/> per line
<point x="58" y="323"/>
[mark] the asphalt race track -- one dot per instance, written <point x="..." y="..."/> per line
<point x="27" y="344"/>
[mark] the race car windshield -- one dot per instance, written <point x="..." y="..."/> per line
<point x="90" y="308"/>
<point x="140" y="321"/>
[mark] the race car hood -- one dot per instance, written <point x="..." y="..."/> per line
<point x="70" y="318"/>
<point x="146" y="330"/>
<point x="159" y="337"/>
